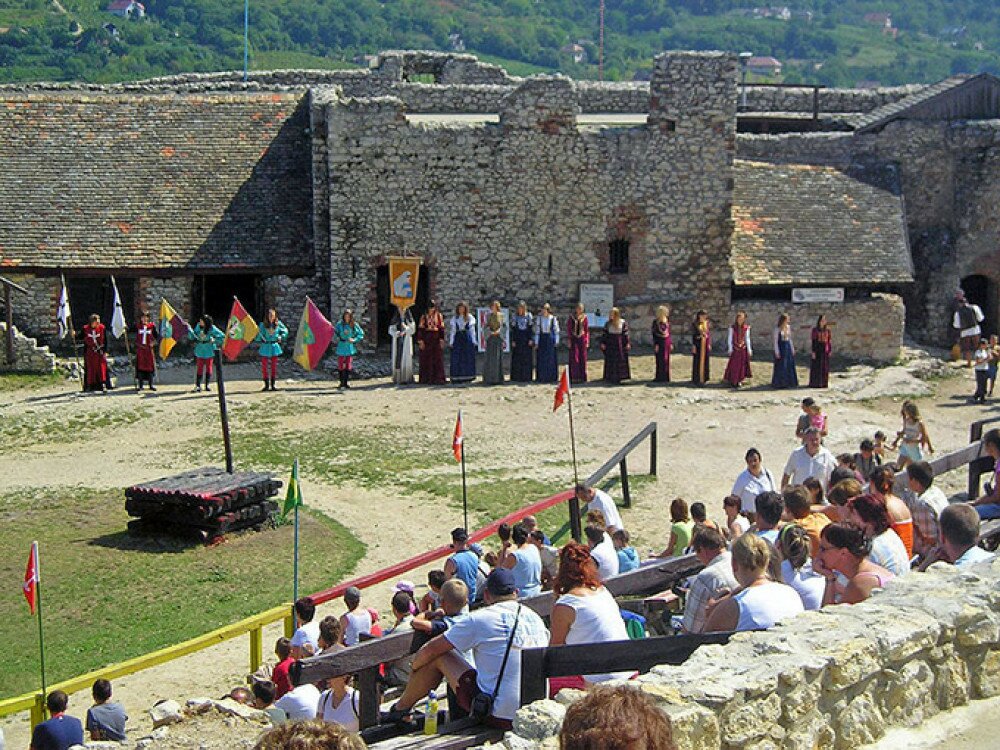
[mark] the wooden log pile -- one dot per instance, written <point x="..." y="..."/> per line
<point x="203" y="503"/>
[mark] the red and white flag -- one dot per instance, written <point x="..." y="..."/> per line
<point x="458" y="439"/>
<point x="31" y="578"/>
<point x="562" y="391"/>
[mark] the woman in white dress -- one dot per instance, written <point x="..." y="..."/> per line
<point x="401" y="330"/>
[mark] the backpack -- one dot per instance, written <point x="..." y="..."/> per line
<point x="967" y="316"/>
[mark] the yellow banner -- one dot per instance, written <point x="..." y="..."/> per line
<point x="404" y="273"/>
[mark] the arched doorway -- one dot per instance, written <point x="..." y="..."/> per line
<point x="981" y="290"/>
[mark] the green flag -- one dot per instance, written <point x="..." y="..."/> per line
<point x="293" y="498"/>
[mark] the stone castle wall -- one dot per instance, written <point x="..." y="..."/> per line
<point x="526" y="208"/>
<point x="28" y="355"/>
<point x="833" y="679"/>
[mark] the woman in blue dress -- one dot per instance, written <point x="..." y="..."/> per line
<point x="784" y="355"/>
<point x="462" y="340"/>
<point x="270" y="337"/>
<point x="546" y="341"/>
<point x="348" y="335"/>
<point x="207" y="338"/>
<point x="522" y="341"/>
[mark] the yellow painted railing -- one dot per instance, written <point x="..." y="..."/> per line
<point x="254" y="626"/>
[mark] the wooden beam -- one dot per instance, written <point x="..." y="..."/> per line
<point x="608" y="466"/>
<point x="11" y="285"/>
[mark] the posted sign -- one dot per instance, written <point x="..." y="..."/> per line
<point x="832" y="294"/>
<point x="597" y="299"/>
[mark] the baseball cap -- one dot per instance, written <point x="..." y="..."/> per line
<point x="500" y="582"/>
<point x="408" y="586"/>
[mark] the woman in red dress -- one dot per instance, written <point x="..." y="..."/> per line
<point x="578" y="337"/>
<point x="740" y="351"/>
<point x="95" y="363"/>
<point x="822" y="346"/>
<point x="430" y="342"/>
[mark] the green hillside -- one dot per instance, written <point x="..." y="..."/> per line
<point x="819" y="41"/>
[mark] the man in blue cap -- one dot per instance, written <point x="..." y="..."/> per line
<point x="495" y="634"/>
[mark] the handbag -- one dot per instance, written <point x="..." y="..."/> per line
<point x="481" y="706"/>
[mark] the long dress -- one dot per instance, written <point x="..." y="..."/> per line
<point x="578" y="334"/>
<point x="740" y="351"/>
<point x="95" y="363"/>
<point x="462" y="339"/>
<point x="401" y="330"/>
<point x="430" y="339"/>
<point x="784" y="361"/>
<point x="145" y="357"/>
<point x="615" y="345"/>
<point x="522" y="341"/>
<point x="662" y="344"/>
<point x="701" y="340"/>
<point x="819" y="368"/>
<point x="493" y="364"/>
<point x="546" y="341"/>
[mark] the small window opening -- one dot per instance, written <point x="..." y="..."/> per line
<point x="618" y="256"/>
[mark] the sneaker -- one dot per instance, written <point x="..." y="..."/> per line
<point x="396" y="716"/>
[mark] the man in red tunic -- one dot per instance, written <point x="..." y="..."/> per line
<point x="95" y="364"/>
<point x="145" y="357"/>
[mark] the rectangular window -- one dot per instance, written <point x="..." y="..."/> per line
<point x="618" y="256"/>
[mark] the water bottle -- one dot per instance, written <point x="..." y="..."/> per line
<point x="431" y="719"/>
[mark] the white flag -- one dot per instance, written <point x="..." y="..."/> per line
<point x="118" y="316"/>
<point x="62" y="313"/>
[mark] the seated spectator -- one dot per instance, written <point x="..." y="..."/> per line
<point x="60" y="732"/>
<point x="241" y="695"/>
<point x="618" y="718"/>
<point x="880" y="484"/>
<point x="815" y="490"/>
<point x="628" y="557"/>
<point x="926" y="503"/>
<point x="959" y="538"/>
<point x="599" y="500"/>
<point x="988" y="505"/>
<point x="759" y="602"/>
<point x="845" y="550"/>
<point x="681" y="528"/>
<point x="549" y="556"/>
<point x="105" y="720"/>
<point x="263" y="694"/>
<point x="584" y="612"/>
<point x="524" y="560"/>
<point x="397" y="673"/>
<point x="464" y="563"/>
<point x="531" y="524"/>
<point x="796" y="566"/>
<point x="356" y="621"/>
<point x="866" y="460"/>
<point x="306" y="629"/>
<point x="868" y="513"/>
<point x="798" y="505"/>
<point x="487" y="633"/>
<point x="602" y="549"/>
<point x="376" y="623"/>
<point x="750" y="483"/>
<point x="432" y="599"/>
<point x="714" y="581"/>
<point x="409" y="588"/>
<point x="338" y="704"/>
<point x="329" y="634"/>
<point x="299" y="703"/>
<point x="279" y="675"/>
<point x="699" y="514"/>
<point x="736" y="524"/>
<point x="841" y="473"/>
<point x="310" y="735"/>
<point x="838" y="496"/>
<point x="846" y="461"/>
<point x="770" y="507"/>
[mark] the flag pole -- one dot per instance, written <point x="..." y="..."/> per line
<point x="41" y="637"/>
<point x="72" y="333"/>
<point x="295" y="545"/>
<point x="128" y="349"/>
<point x="574" y="504"/>
<point x="465" y="496"/>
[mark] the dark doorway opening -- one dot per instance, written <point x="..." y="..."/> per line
<point x="982" y="291"/>
<point x="214" y="295"/>
<point x="93" y="294"/>
<point x="383" y="307"/>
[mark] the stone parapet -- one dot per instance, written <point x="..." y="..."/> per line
<point x="28" y="355"/>
<point x="832" y="679"/>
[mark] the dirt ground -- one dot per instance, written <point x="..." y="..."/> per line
<point x="703" y="434"/>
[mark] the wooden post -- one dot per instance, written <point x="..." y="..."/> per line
<point x="221" y="385"/>
<point x="38" y="711"/>
<point x="626" y="497"/>
<point x="575" y="525"/>
<point x="256" y="648"/>
<point x="10" y="324"/>
<point x="290" y="625"/>
<point x="532" y="675"/>
<point x="652" y="452"/>
<point x="369" y="704"/>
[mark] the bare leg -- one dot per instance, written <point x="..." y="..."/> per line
<point x="451" y="666"/>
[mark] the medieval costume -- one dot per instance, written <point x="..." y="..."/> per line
<point x="615" y="345"/>
<point x="401" y="330"/>
<point x="95" y="362"/>
<point x="462" y="340"/>
<point x="662" y="346"/>
<point x="546" y="341"/>
<point x="784" y="356"/>
<point x="522" y="341"/>
<point x="348" y="335"/>
<point x="701" y="346"/>
<point x="493" y="365"/>
<point x="430" y="341"/>
<point x="740" y="352"/>
<point x="208" y="338"/>
<point x="822" y="345"/>
<point x="578" y="336"/>
<point x="146" y="337"/>
<point x="270" y="336"/>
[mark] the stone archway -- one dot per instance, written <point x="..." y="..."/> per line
<point x="982" y="290"/>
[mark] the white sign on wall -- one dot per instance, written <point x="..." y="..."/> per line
<point x="597" y="299"/>
<point x="832" y="294"/>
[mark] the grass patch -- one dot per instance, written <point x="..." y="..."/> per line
<point x="25" y="381"/>
<point x="32" y="428"/>
<point x="96" y="615"/>
<point x="291" y="60"/>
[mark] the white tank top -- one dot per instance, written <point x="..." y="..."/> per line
<point x="762" y="606"/>
<point x="358" y="622"/>
<point x="598" y="620"/>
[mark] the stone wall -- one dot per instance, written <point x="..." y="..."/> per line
<point x="774" y="99"/>
<point x="833" y="679"/>
<point x="28" y="355"/>
<point x="526" y="209"/>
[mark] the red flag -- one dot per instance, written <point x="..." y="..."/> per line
<point x="458" y="439"/>
<point x="562" y="391"/>
<point x="31" y="578"/>
<point x="240" y="331"/>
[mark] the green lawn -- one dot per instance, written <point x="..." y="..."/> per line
<point x="291" y="60"/>
<point x="96" y="615"/>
